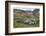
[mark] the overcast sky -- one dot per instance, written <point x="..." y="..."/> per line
<point x="31" y="9"/>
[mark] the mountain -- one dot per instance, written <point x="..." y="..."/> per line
<point x="36" y="10"/>
<point x="23" y="10"/>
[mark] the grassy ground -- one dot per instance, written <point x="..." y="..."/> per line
<point x="20" y="25"/>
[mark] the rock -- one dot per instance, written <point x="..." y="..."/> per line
<point x="28" y="22"/>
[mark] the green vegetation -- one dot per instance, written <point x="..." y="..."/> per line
<point x="20" y="25"/>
